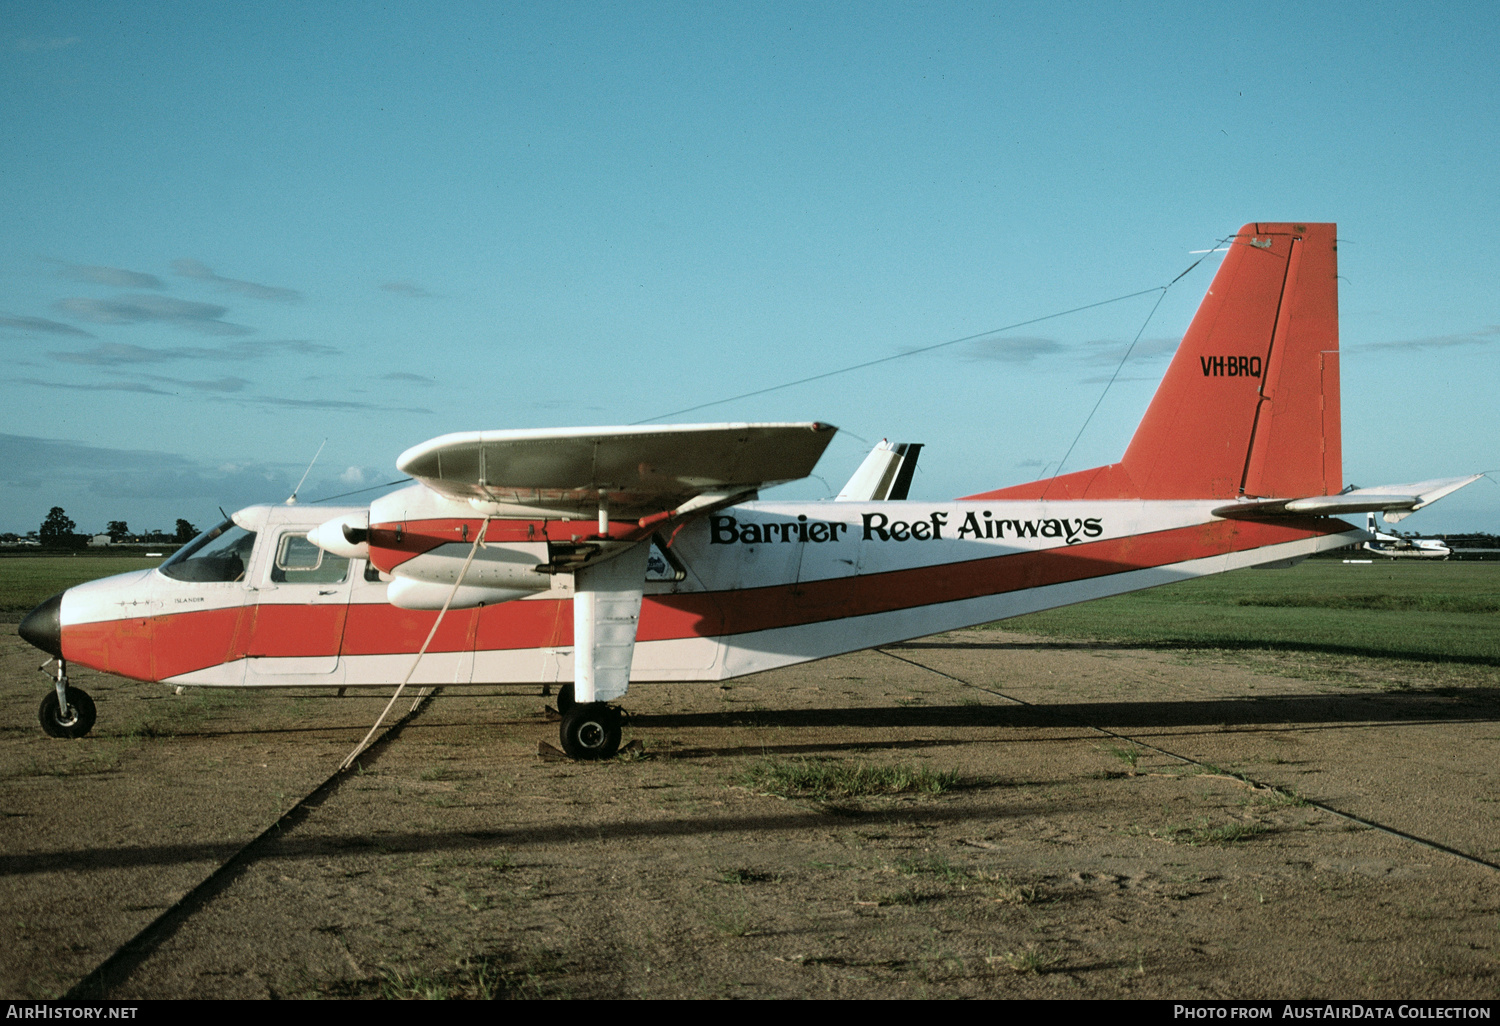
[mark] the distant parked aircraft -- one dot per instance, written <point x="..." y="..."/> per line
<point x="1397" y="547"/>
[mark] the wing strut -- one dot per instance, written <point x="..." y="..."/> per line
<point x="458" y="582"/>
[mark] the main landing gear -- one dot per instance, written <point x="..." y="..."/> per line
<point x="67" y="711"/>
<point x="591" y="731"/>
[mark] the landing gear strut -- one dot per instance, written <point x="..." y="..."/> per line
<point x="68" y="711"/>
<point x="590" y="731"/>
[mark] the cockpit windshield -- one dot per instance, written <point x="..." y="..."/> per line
<point x="220" y="555"/>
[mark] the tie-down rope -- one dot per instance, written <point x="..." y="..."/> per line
<point x="478" y="539"/>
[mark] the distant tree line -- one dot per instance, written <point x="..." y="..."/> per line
<point x="59" y="531"/>
<point x="1472" y="541"/>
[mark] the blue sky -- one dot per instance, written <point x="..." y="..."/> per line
<point x="233" y="231"/>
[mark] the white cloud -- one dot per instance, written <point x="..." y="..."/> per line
<point x="197" y="270"/>
<point x="30" y="325"/>
<point x="228" y="383"/>
<point x="200" y="317"/>
<point x="118" y="354"/>
<point x="1110" y="351"/>
<point x="405" y="288"/>
<point x="1022" y="349"/>
<point x="408" y="376"/>
<point x="112" y="386"/>
<point x="115" y="277"/>
<point x="1482" y="336"/>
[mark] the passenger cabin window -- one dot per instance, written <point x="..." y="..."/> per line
<point x="220" y="556"/>
<point x="299" y="561"/>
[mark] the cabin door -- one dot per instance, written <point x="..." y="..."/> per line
<point x="301" y="603"/>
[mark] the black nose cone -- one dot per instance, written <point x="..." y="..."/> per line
<point x="43" y="626"/>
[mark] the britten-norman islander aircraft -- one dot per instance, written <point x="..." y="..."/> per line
<point x="593" y="558"/>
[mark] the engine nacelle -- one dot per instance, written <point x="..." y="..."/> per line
<point x="346" y="536"/>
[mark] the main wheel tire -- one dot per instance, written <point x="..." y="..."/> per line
<point x="80" y="719"/>
<point x="565" y="698"/>
<point x="591" y="732"/>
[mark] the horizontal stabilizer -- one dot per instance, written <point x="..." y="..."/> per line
<point x="1395" y="501"/>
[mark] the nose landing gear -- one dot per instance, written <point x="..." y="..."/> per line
<point x="67" y="711"/>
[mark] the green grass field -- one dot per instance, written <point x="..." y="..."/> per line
<point x="28" y="580"/>
<point x="1387" y="623"/>
<point x="1448" y="611"/>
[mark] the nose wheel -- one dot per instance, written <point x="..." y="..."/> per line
<point x="68" y="711"/>
<point x="591" y="732"/>
<point x="74" y="721"/>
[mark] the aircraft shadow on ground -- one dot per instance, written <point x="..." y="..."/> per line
<point x="292" y="846"/>
<point x="1473" y="705"/>
<point x="1465" y="705"/>
<point x="1190" y="645"/>
<point x="1298" y="713"/>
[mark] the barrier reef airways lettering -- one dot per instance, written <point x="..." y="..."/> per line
<point x="1072" y="530"/>
<point x="726" y="530"/>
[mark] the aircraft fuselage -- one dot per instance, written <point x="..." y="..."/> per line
<point x="767" y="584"/>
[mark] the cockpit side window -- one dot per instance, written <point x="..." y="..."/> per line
<point x="220" y="556"/>
<point x="299" y="561"/>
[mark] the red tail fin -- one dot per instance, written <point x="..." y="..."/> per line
<point x="1250" y="403"/>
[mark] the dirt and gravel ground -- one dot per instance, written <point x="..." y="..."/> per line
<point x="1069" y="860"/>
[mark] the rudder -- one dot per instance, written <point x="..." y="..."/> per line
<point x="1250" y="403"/>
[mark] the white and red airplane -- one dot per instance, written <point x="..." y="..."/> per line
<point x="1399" y="546"/>
<point x="594" y="558"/>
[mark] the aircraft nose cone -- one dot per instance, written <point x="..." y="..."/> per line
<point x="43" y="626"/>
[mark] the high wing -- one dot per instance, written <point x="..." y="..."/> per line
<point x="639" y="470"/>
<point x="541" y="484"/>
<point x="543" y="488"/>
<point x="1396" y="501"/>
